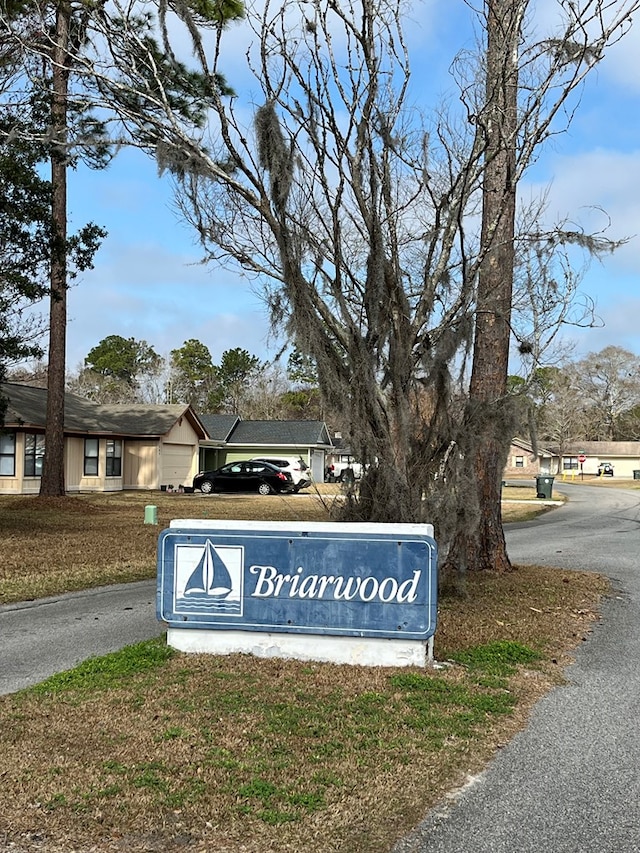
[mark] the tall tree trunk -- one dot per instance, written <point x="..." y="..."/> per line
<point x="52" y="482"/>
<point x="489" y="417"/>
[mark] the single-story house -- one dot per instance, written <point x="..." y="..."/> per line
<point x="523" y="461"/>
<point x="107" y="447"/>
<point x="624" y="456"/>
<point x="231" y="439"/>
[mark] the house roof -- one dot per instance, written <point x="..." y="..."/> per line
<point x="27" y="408"/>
<point x="340" y="445"/>
<point x="149" y="420"/>
<point x="219" y="427"/>
<point x="28" y="405"/>
<point x="284" y="433"/>
<point x="528" y="447"/>
<point x="601" y="448"/>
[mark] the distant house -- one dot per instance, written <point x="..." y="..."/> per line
<point x="230" y="439"/>
<point x="565" y="460"/>
<point x="523" y="461"/>
<point x="340" y="455"/>
<point x="107" y="447"/>
<point x="623" y="455"/>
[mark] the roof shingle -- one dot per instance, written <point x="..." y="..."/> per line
<point x="28" y="405"/>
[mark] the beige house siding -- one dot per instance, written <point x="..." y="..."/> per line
<point x="12" y="485"/>
<point x="19" y="484"/>
<point x="179" y="455"/>
<point x="182" y="433"/>
<point x="74" y="460"/>
<point x="75" y="478"/>
<point x="521" y="462"/>
<point x="140" y="465"/>
<point x="179" y="464"/>
<point x="30" y="486"/>
<point x="145" y="464"/>
<point x="623" y="455"/>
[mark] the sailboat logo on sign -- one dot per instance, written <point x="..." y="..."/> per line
<point x="208" y="580"/>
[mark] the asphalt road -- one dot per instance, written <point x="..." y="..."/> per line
<point x="570" y="782"/>
<point x="40" y="638"/>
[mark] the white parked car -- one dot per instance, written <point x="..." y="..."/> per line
<point x="294" y="465"/>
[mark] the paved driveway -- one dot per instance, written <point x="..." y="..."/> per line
<point x="569" y="783"/>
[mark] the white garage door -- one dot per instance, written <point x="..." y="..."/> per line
<point x="317" y="465"/>
<point x="177" y="465"/>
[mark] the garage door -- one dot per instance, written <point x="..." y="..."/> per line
<point x="177" y="464"/>
<point x="317" y="465"/>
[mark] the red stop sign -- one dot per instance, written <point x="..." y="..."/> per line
<point x="582" y="458"/>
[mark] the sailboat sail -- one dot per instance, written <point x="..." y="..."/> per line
<point x="210" y="577"/>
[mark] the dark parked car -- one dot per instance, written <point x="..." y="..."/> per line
<point x="293" y="465"/>
<point x="249" y="476"/>
<point x="605" y="469"/>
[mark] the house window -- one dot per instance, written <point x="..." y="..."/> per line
<point x="114" y="458"/>
<point x="7" y="455"/>
<point x="33" y="454"/>
<point x="519" y="461"/>
<point x="91" y="457"/>
<point x="570" y="463"/>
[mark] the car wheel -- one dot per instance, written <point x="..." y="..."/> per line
<point x="206" y="486"/>
<point x="264" y="489"/>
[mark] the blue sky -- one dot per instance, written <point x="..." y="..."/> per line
<point x="148" y="282"/>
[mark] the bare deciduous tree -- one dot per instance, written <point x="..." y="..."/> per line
<point x="561" y="417"/>
<point x="387" y="242"/>
<point x="608" y="385"/>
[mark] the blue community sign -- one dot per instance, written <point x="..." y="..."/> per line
<point x="341" y="580"/>
<point x="273" y="578"/>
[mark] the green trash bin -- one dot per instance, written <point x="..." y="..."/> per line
<point x="636" y="475"/>
<point x="544" y="487"/>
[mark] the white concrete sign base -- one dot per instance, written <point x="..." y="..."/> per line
<point x="360" y="651"/>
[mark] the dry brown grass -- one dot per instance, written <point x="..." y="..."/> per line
<point x="99" y="539"/>
<point x="607" y="482"/>
<point x="206" y="754"/>
<point x="92" y="540"/>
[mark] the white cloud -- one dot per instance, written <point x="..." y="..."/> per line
<point x="150" y="293"/>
